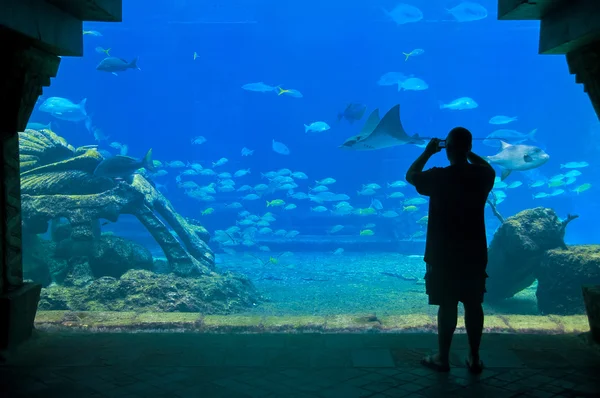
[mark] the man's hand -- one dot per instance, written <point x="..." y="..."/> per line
<point x="433" y="146"/>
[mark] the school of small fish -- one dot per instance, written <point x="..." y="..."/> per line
<point x="272" y="194"/>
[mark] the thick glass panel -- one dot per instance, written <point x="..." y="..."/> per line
<point x="274" y="195"/>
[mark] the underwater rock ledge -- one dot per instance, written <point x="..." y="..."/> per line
<point x="142" y="290"/>
<point x="83" y="269"/>
<point x="518" y="248"/>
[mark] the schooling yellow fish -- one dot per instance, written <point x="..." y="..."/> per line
<point x="275" y="203"/>
<point x="583" y="187"/>
<point x="282" y="91"/>
<point x="367" y="232"/>
<point x="195" y="55"/>
<point x="367" y="211"/>
<point x="208" y="211"/>
<point x="273" y="260"/>
<point x="410" y="208"/>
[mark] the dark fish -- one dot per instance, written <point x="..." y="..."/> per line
<point x="353" y="112"/>
<point x="123" y="166"/>
<point x="114" y="64"/>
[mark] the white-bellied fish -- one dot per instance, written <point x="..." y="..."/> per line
<point x="413" y="84"/>
<point x="280" y="148"/>
<point x="574" y="165"/>
<point x="404" y="13"/>
<point x="64" y="109"/>
<point x="258" y="87"/>
<point x="500" y="119"/>
<point x="468" y="11"/>
<point x="316" y="127"/>
<point x="460" y="104"/>
<point x="518" y="158"/>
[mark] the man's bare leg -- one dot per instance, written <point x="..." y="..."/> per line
<point x="447" y="318"/>
<point x="474" y="324"/>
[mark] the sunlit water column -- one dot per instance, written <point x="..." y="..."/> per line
<point x="572" y="28"/>
<point x="32" y="36"/>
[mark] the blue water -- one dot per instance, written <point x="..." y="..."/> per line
<point x="334" y="53"/>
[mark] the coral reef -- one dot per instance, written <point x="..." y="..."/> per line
<point x="141" y="290"/>
<point x="561" y="275"/>
<point x="518" y="247"/>
<point x="57" y="181"/>
<point x="83" y="269"/>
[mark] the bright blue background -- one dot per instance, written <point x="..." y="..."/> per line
<point x="334" y="53"/>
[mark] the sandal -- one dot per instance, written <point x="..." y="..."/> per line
<point x="474" y="368"/>
<point x="432" y="362"/>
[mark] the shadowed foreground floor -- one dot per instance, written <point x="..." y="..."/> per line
<point x="69" y="364"/>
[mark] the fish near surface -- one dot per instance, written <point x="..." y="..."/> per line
<point x="468" y="11"/>
<point x="124" y="166"/>
<point x="510" y="136"/>
<point x="518" y="158"/>
<point x="64" y="109"/>
<point x="259" y="87"/>
<point x="114" y="65"/>
<point x="404" y="13"/>
<point x="413" y="84"/>
<point x="280" y="148"/>
<point x="384" y="133"/>
<point x="460" y="104"/>
<point x="392" y="79"/>
<point x="352" y="113"/>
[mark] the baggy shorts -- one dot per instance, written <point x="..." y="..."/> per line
<point x="447" y="285"/>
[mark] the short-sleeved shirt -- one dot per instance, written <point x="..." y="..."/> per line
<point x="456" y="237"/>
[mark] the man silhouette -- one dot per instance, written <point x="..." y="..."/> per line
<point x="456" y="248"/>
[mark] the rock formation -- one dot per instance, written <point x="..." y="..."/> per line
<point x="57" y="181"/>
<point x="517" y="250"/>
<point x="561" y="275"/>
<point x="83" y="269"/>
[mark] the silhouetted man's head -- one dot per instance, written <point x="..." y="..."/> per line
<point x="458" y="144"/>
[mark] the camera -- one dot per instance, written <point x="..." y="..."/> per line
<point x="442" y="144"/>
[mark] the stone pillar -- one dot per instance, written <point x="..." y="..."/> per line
<point x="584" y="63"/>
<point x="24" y="70"/>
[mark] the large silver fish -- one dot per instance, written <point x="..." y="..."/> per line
<point x="518" y="158"/>
<point x="384" y="133"/>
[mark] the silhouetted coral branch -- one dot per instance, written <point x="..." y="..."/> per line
<point x="492" y="204"/>
<point x="570" y="217"/>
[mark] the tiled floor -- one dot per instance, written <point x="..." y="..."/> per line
<point x="302" y="365"/>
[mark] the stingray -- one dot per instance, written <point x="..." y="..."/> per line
<point x="384" y="133"/>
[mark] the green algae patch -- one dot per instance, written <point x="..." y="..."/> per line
<point x="294" y="323"/>
<point x="233" y="323"/>
<point x="532" y="323"/>
<point x="410" y="322"/>
<point x="352" y="323"/>
<point x="575" y="323"/>
<point x="495" y="323"/>
<point x="359" y="323"/>
<point x="106" y="319"/>
<point x="169" y="317"/>
<point x="49" y="316"/>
